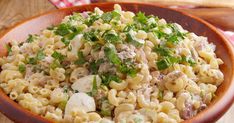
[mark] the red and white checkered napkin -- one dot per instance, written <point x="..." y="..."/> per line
<point x="229" y="35"/>
<point x="69" y="3"/>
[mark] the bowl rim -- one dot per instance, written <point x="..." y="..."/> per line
<point x="228" y="96"/>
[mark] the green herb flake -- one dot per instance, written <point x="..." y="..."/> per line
<point x="174" y="39"/>
<point x="8" y="47"/>
<point x="40" y="55"/>
<point x="188" y="60"/>
<point x="94" y="65"/>
<point x="76" y="17"/>
<point x="76" y="31"/>
<point x="62" y="104"/>
<point x="162" y="64"/>
<point x="96" y="47"/>
<point x="30" y="38"/>
<point x="32" y="61"/>
<point x="129" y="70"/>
<point x="94" y="87"/>
<point x="81" y="59"/>
<point x="111" y="54"/>
<point x="65" y="41"/>
<point x="111" y="38"/>
<point x="140" y="17"/>
<point x="163" y="51"/>
<point x="159" y="34"/>
<point x="105" y="112"/>
<point x="22" y="68"/>
<point x="107" y="78"/>
<point x="65" y="89"/>
<point x="63" y="29"/>
<point x="90" y="36"/>
<point x="160" y="94"/>
<point x="58" y="56"/>
<point x="128" y="28"/>
<point x="91" y="19"/>
<point x="108" y="16"/>
<point x="55" y="64"/>
<point x="176" y="36"/>
<point x="133" y="40"/>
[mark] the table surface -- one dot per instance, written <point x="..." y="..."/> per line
<point x="13" y="11"/>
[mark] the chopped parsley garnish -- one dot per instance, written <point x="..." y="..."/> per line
<point x="129" y="27"/>
<point x="22" y="68"/>
<point x="140" y="17"/>
<point x="130" y="70"/>
<point x="63" y="29"/>
<point x="91" y="19"/>
<point x="75" y="31"/>
<point x="32" y="60"/>
<point x="9" y="50"/>
<point x="96" y="47"/>
<point x="94" y="87"/>
<point x="176" y="36"/>
<point x="55" y="64"/>
<point x="90" y="36"/>
<point x="174" y="39"/>
<point x="188" y="60"/>
<point x="94" y="65"/>
<point x="68" y="32"/>
<point x="163" y="64"/>
<point x="111" y="37"/>
<point x="65" y="89"/>
<point x="65" y="41"/>
<point x="160" y="94"/>
<point x="167" y="62"/>
<point x="163" y="51"/>
<point x="159" y="33"/>
<point x="133" y="40"/>
<point x="81" y="58"/>
<point x="30" y="38"/>
<point x="105" y="112"/>
<point x="107" y="78"/>
<point x="106" y="107"/>
<point x="108" y="16"/>
<point x="62" y="104"/>
<point x="40" y="55"/>
<point x="141" y="22"/>
<point x="58" y="56"/>
<point x="111" y="54"/>
<point x="76" y="17"/>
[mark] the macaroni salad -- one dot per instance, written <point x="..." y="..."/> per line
<point x="116" y="66"/>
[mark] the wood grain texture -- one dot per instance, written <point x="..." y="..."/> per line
<point x="220" y="17"/>
<point x="209" y="3"/>
<point x="12" y="11"/>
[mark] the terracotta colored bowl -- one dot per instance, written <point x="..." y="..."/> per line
<point x="225" y="93"/>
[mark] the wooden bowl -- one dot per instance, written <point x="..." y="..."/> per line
<point x="225" y="93"/>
